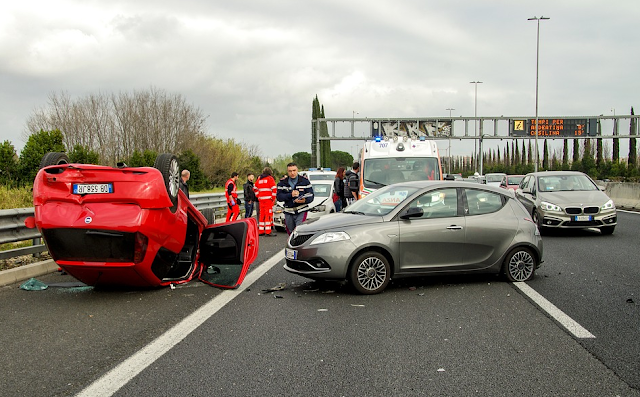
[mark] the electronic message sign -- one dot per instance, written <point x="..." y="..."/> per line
<point x="553" y="128"/>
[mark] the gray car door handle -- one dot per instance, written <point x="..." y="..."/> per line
<point x="454" y="227"/>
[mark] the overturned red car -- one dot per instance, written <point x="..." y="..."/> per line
<point x="133" y="226"/>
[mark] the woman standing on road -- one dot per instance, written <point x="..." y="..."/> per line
<point x="338" y="190"/>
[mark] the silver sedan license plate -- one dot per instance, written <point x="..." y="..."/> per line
<point x="92" y="188"/>
<point x="583" y="218"/>
<point x="290" y="254"/>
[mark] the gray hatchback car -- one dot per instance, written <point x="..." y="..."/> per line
<point x="566" y="199"/>
<point x="416" y="229"/>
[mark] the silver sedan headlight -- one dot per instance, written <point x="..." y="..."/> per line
<point x="608" y="206"/>
<point x="330" y="237"/>
<point x="547" y="206"/>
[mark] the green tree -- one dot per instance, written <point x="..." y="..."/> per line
<point x="616" y="143"/>
<point x="315" y="114"/>
<point x="545" y="156"/>
<point x="189" y="161"/>
<point x="36" y="147"/>
<point x="565" y="155"/>
<point x="144" y="159"/>
<point x="8" y="164"/>
<point x="341" y="159"/>
<point x="633" y="151"/>
<point x="588" y="160"/>
<point x="325" y="146"/>
<point x="80" y="154"/>
<point x="303" y="159"/>
<point x="576" y="151"/>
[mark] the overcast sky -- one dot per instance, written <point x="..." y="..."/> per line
<point x="255" y="66"/>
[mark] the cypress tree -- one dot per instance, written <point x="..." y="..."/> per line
<point x="325" y="146"/>
<point x="633" y="152"/>
<point x="565" y="155"/>
<point x="616" y="142"/>
<point x="315" y="114"/>
<point x="545" y="156"/>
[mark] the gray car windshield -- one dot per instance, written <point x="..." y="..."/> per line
<point x="382" y="201"/>
<point x="565" y="183"/>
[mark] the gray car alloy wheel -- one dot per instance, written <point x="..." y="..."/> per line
<point x="370" y="273"/>
<point x="520" y="265"/>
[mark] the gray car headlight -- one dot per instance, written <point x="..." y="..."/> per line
<point x="608" y="206"/>
<point x="547" y="206"/>
<point x="330" y="237"/>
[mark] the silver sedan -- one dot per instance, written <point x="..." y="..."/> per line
<point x="416" y="229"/>
<point x="568" y="200"/>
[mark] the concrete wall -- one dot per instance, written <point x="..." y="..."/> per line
<point x="624" y="195"/>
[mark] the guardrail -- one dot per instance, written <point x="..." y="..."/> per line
<point x="13" y="230"/>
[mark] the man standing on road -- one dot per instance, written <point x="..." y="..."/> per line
<point x="265" y="190"/>
<point x="352" y="183"/>
<point x="296" y="192"/>
<point x="184" y="177"/>
<point x="249" y="196"/>
<point x="230" y="193"/>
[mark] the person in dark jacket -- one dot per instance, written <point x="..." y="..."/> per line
<point x="184" y="177"/>
<point x="352" y="183"/>
<point x="249" y="196"/>
<point x="338" y="190"/>
<point x="296" y="192"/>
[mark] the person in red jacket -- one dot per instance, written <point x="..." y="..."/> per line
<point x="232" y="197"/>
<point x="265" y="189"/>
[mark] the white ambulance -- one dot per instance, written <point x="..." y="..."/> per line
<point x="388" y="160"/>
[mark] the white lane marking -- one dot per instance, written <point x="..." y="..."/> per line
<point x="570" y="324"/>
<point x="119" y="376"/>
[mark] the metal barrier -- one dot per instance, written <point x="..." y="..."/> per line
<point x="13" y="230"/>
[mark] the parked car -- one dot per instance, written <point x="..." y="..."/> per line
<point x="511" y="181"/>
<point x="566" y="199"/>
<point x="322" y="203"/>
<point x="322" y="174"/>
<point x="494" y="178"/>
<point x="133" y="226"/>
<point x="416" y="229"/>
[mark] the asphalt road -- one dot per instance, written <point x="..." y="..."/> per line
<point x="430" y="336"/>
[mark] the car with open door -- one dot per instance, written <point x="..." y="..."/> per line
<point x="133" y="226"/>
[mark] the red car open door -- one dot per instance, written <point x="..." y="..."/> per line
<point x="226" y="252"/>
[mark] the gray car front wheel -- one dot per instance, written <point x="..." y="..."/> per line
<point x="520" y="265"/>
<point x="370" y="273"/>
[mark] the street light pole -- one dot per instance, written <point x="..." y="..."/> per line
<point x="353" y="117"/>
<point x="475" y="123"/>
<point x="537" y="68"/>
<point x="450" y="131"/>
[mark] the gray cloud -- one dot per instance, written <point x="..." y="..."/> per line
<point x="255" y="66"/>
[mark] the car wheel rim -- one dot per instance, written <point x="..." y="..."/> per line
<point x="372" y="273"/>
<point x="521" y="266"/>
<point x="173" y="178"/>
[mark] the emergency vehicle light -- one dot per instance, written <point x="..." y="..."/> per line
<point x="423" y="138"/>
<point x="378" y="138"/>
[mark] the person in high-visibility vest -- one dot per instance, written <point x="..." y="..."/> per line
<point x="230" y="193"/>
<point x="265" y="189"/>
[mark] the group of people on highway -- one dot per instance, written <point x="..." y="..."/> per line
<point x="293" y="190"/>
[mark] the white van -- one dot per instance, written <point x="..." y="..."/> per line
<point x="385" y="161"/>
